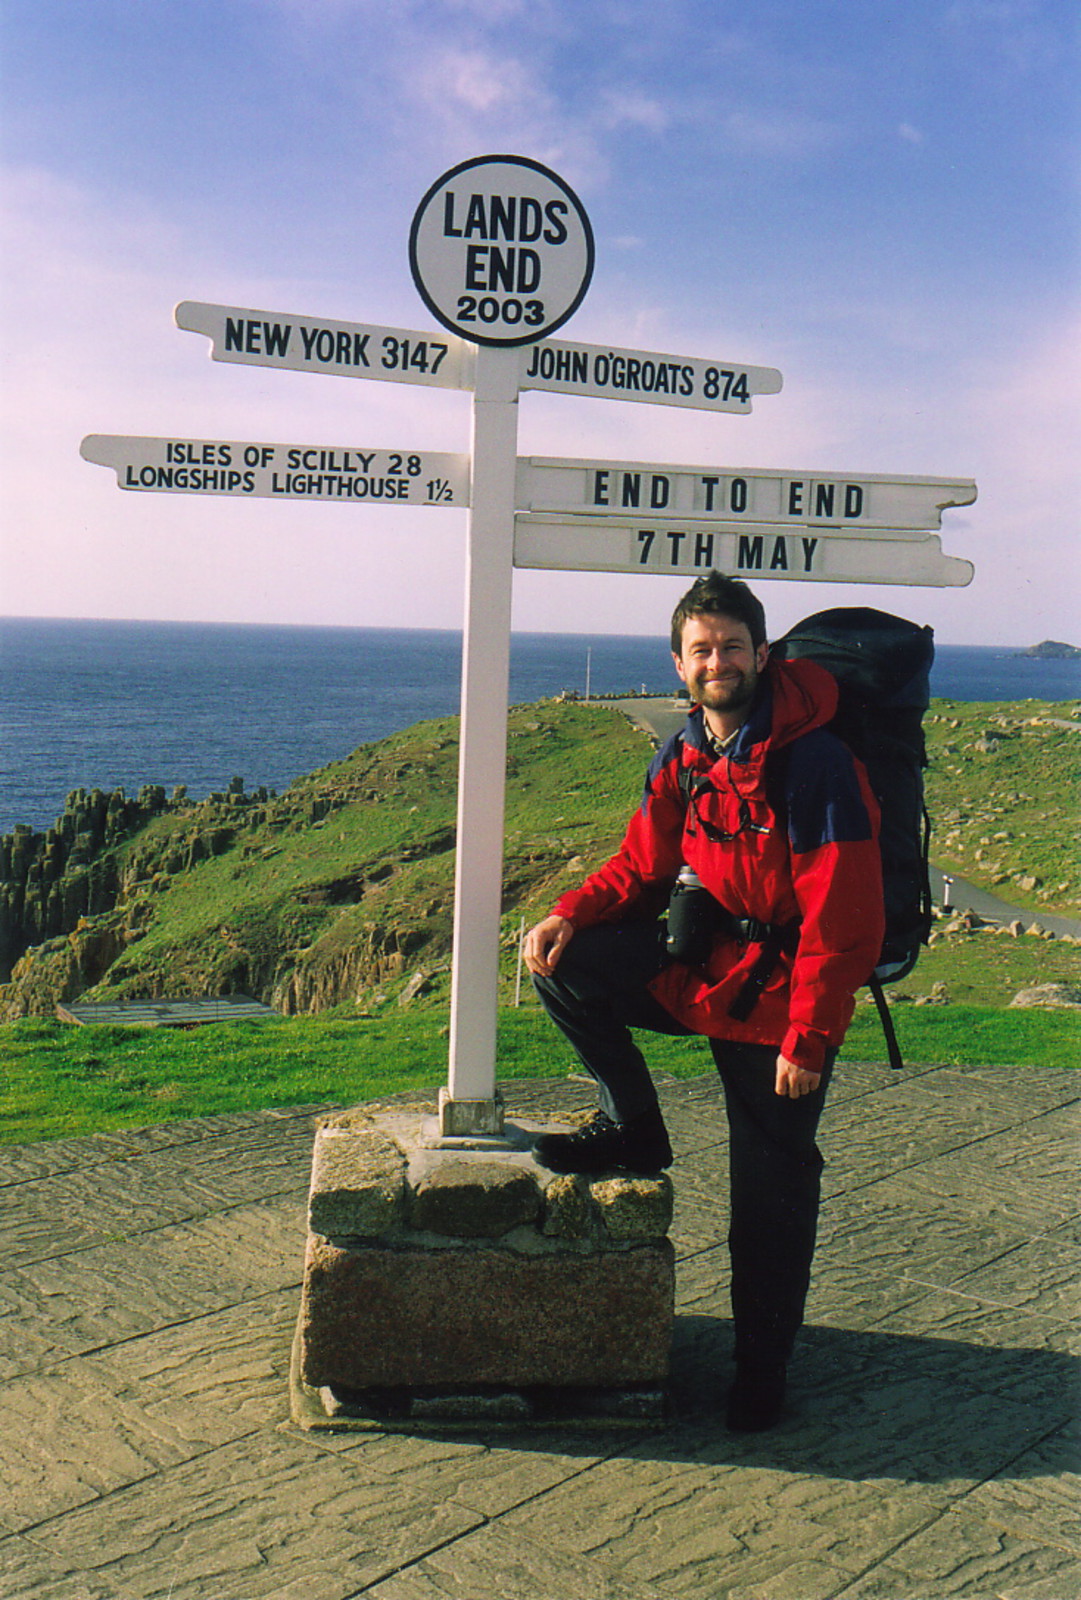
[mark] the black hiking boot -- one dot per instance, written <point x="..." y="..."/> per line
<point x="639" y="1145"/>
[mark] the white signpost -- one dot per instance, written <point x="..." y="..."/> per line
<point x="856" y="503"/>
<point x="249" y="470"/>
<point x="605" y="373"/>
<point x="501" y="252"/>
<point x="613" y="544"/>
<point x="343" y="349"/>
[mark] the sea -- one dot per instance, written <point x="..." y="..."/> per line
<point x="96" y="704"/>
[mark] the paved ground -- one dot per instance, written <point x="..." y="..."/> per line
<point x="149" y="1301"/>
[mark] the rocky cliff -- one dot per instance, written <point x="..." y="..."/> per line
<point x="327" y="892"/>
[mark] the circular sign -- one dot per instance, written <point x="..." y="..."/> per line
<point x="501" y="250"/>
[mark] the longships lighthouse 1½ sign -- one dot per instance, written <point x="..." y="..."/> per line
<point x="502" y="252"/>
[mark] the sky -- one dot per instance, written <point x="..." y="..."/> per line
<point x="878" y="199"/>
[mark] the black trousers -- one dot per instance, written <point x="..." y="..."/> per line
<point x="596" y="995"/>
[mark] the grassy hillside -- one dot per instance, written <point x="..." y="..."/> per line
<point x="343" y="883"/>
<point x="334" y="900"/>
<point x="1002" y="788"/>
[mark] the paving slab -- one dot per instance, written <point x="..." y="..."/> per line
<point x="151" y="1292"/>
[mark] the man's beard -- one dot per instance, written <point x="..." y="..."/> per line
<point x="731" y="695"/>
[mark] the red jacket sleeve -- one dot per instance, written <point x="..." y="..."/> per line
<point x="646" y="863"/>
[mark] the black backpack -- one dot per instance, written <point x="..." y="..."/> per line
<point x="882" y="665"/>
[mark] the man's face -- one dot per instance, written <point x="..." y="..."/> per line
<point x="719" y="664"/>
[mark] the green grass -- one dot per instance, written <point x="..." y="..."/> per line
<point x="1005" y="816"/>
<point x="62" y="1081"/>
<point x="574" y="772"/>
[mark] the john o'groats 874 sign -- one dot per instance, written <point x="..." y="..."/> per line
<point x="501" y="250"/>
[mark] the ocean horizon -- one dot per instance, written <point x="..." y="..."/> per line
<point x="90" y="704"/>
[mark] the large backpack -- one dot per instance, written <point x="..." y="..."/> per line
<point x="882" y="665"/>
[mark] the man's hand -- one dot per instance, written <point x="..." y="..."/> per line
<point x="793" y="1081"/>
<point x="545" y="943"/>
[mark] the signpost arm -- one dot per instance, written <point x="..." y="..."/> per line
<point x="469" y="1105"/>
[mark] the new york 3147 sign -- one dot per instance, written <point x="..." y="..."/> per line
<point x="501" y="250"/>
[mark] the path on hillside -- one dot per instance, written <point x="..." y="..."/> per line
<point x="663" y="716"/>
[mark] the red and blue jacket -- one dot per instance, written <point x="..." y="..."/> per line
<point x="803" y="851"/>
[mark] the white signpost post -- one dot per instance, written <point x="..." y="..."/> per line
<point x="501" y="252"/>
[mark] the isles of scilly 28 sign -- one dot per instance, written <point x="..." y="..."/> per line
<point x="501" y="250"/>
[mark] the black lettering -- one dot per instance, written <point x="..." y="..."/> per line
<point x="529" y="272"/>
<point x="780" y="554"/>
<point x="600" y="488"/>
<point x="853" y="499"/>
<point x="580" y="366"/>
<point x="276" y="338"/>
<point x="795" y="498"/>
<point x="686" y="382"/>
<point x="658" y="492"/>
<point x="530" y="220"/>
<point x="503" y="218"/>
<point x="252" y="346"/>
<point x="449" y="230"/>
<point x="703" y="550"/>
<point x="234" y="333"/>
<point x="308" y="338"/>
<point x="476" y="276"/>
<point x="633" y="366"/>
<point x="824" y="496"/>
<point x="675" y="539"/>
<point x="475" y="220"/>
<point x="645" y="539"/>
<point x="749" y="555"/>
<point x="809" y="548"/>
<point x="632" y="489"/>
<point x="500" y="270"/>
<point x="737" y="495"/>
<point x="556" y="231"/>
<point x="709" y="485"/>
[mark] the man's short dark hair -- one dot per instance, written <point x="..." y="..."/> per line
<point x="716" y="595"/>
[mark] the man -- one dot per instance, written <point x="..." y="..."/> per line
<point x="776" y="818"/>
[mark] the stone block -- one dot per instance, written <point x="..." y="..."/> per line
<point x="634" y="1208"/>
<point x="568" y="1210"/>
<point x="474" y="1199"/>
<point x="358" y="1183"/>
<point x="379" y="1318"/>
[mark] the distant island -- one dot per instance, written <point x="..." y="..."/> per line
<point x="1051" y="650"/>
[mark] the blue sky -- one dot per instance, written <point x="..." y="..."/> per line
<point x="880" y="200"/>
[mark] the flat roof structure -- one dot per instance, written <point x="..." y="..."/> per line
<point x="183" y="1013"/>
